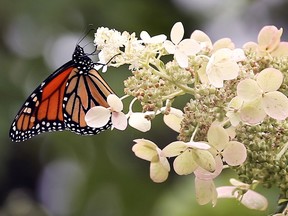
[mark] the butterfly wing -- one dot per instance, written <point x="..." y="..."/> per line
<point x="62" y="100"/>
<point x="43" y="109"/>
<point x="85" y="89"/>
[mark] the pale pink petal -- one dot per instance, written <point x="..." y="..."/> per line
<point x="250" y="199"/>
<point x="226" y="191"/>
<point x="269" y="38"/>
<point x="97" y="117"/>
<point x="145" y="149"/>
<point x="254" y="200"/>
<point x="173" y="119"/>
<point x="202" y="38"/>
<point x="177" y="33"/>
<point x="174" y="149"/>
<point x="217" y="137"/>
<point x="119" y="120"/>
<point x="158" y="173"/>
<point x="184" y="163"/>
<point x="248" y="90"/>
<point x="205" y="175"/>
<point x="139" y="122"/>
<point x="281" y="51"/>
<point x="276" y="105"/>
<point x="205" y="191"/>
<point x="235" y="153"/>
<point x="270" y="79"/>
<point x="115" y="103"/>
<point x="253" y="112"/>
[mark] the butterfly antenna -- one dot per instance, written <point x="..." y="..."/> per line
<point x="87" y="31"/>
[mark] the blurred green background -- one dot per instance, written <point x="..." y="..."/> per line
<point x="62" y="174"/>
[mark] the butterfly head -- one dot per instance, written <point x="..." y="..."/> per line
<point x="81" y="59"/>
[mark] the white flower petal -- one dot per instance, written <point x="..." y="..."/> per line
<point x="145" y="36"/>
<point x="173" y="119"/>
<point x="115" y="103"/>
<point x="158" y="39"/>
<point x="169" y="46"/>
<point x="204" y="159"/>
<point x="217" y="137"/>
<point x="276" y="105"/>
<point x="202" y="38"/>
<point x="174" y="149"/>
<point x="181" y="58"/>
<point x="97" y="117"/>
<point x="269" y="79"/>
<point x="254" y="200"/>
<point x="206" y="175"/>
<point x="205" y="191"/>
<point x="184" y="164"/>
<point x="198" y="145"/>
<point x="189" y="47"/>
<point x="158" y="173"/>
<point x="238" y="55"/>
<point x="248" y="90"/>
<point x="119" y="120"/>
<point x="253" y="112"/>
<point x="177" y="33"/>
<point x="139" y="122"/>
<point x="145" y="149"/>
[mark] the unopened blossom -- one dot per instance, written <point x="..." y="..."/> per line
<point x="221" y="66"/>
<point x="181" y="49"/>
<point x="244" y="194"/>
<point x="99" y="116"/>
<point x="189" y="156"/>
<point x="261" y="97"/>
<point x="159" y="165"/>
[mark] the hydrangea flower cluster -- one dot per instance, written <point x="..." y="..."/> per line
<point x="236" y="117"/>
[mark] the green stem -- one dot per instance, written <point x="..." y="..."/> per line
<point x="173" y="95"/>
<point x="162" y="74"/>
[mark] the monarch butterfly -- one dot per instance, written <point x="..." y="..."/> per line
<point x="61" y="101"/>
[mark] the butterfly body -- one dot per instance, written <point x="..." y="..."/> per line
<point x="62" y="100"/>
